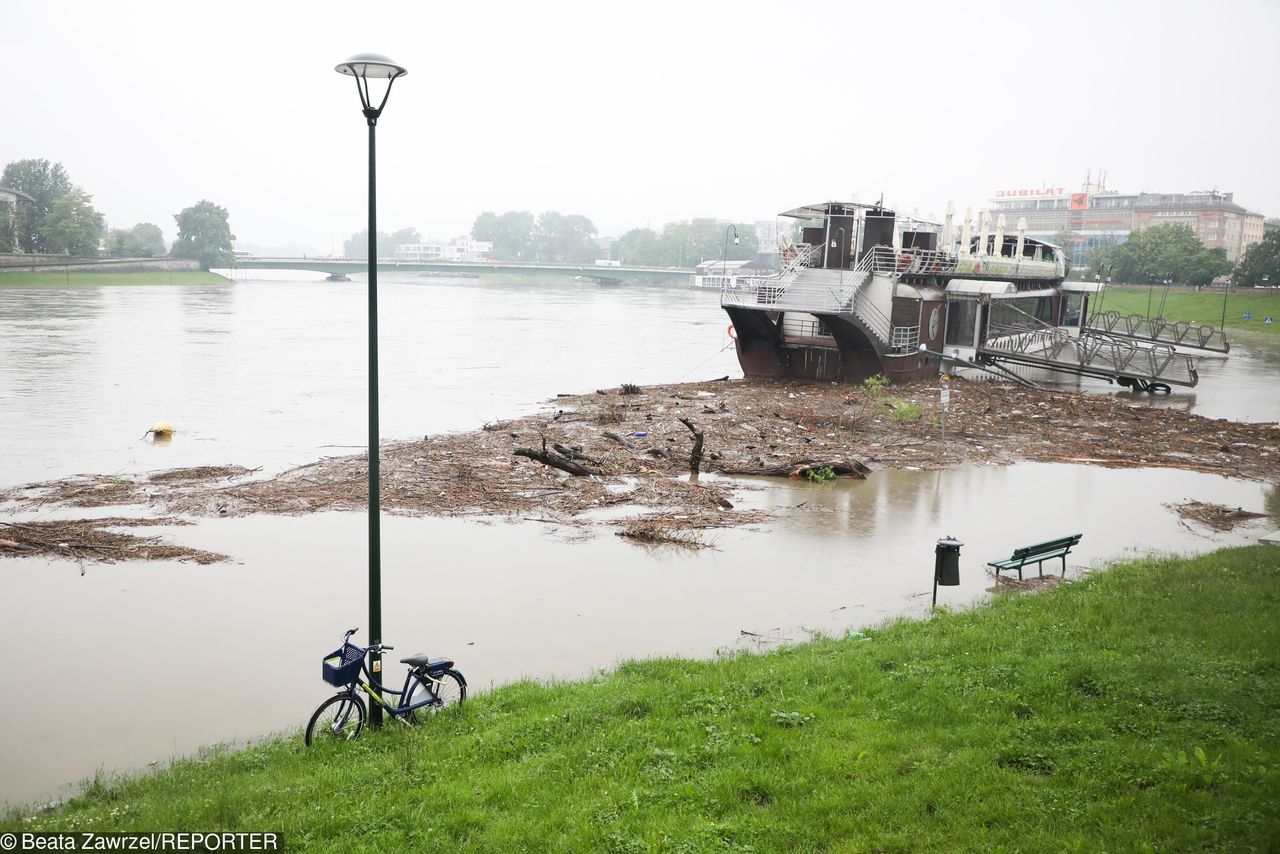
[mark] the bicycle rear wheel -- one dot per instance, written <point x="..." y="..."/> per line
<point x="339" y="718"/>
<point x="444" y="689"/>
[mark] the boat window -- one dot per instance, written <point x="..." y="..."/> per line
<point x="1071" y="309"/>
<point x="962" y="314"/>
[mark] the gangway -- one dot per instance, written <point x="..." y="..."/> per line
<point x="1147" y="366"/>
<point x="1157" y="330"/>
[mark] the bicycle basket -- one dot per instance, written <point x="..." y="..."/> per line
<point x="342" y="666"/>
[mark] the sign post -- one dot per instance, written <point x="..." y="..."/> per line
<point x="944" y="399"/>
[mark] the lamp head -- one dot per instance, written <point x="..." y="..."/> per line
<point x="736" y="241"/>
<point x="371" y="66"/>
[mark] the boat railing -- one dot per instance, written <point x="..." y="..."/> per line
<point x="924" y="262"/>
<point x="904" y="339"/>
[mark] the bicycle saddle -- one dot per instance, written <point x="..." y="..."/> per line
<point x="420" y="659"/>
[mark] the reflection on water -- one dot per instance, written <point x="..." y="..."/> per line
<point x="1241" y="387"/>
<point x="230" y="651"/>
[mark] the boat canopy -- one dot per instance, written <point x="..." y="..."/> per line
<point x="1082" y="287"/>
<point x="978" y="287"/>
<point x="818" y="210"/>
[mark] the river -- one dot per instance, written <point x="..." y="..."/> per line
<point x="271" y="374"/>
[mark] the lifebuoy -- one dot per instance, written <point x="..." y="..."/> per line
<point x="731" y="332"/>
<point x="904" y="262"/>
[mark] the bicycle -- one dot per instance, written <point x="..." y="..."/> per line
<point x="430" y="685"/>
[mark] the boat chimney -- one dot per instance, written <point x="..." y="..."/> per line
<point x="966" y="232"/>
<point x="984" y="223"/>
<point x="998" y="248"/>
<point x="1022" y="236"/>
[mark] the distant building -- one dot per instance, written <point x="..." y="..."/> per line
<point x="767" y="241"/>
<point x="9" y="205"/>
<point x="1095" y="215"/>
<point x="459" y="249"/>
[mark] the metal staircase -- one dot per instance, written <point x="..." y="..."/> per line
<point x="824" y="292"/>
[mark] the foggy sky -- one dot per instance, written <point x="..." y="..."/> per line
<point x="633" y="114"/>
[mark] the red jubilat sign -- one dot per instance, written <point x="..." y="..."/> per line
<point x="1044" y="191"/>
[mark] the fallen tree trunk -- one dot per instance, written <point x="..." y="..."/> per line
<point x="555" y="462"/>
<point x="797" y="468"/>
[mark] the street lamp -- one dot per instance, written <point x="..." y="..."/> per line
<point x="724" y="263"/>
<point x="365" y="67"/>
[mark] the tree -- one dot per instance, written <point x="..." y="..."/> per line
<point x="684" y="244"/>
<point x="1170" y="251"/>
<point x="560" y="238"/>
<point x="357" y="245"/>
<point x="204" y="233"/>
<point x="72" y="226"/>
<point x="44" y="182"/>
<point x="639" y="247"/>
<point x="144" y="240"/>
<point x="512" y="234"/>
<point x="1260" y="265"/>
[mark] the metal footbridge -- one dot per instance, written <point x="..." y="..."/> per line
<point x="1157" y="330"/>
<point x="1131" y="363"/>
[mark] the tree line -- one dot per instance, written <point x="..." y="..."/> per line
<point x="60" y="219"/>
<point x="1173" y="253"/>
<point x="684" y="244"/>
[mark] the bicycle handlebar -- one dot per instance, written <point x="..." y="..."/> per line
<point x="377" y="647"/>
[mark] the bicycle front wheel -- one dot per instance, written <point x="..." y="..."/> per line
<point x="444" y="689"/>
<point x="339" y="718"/>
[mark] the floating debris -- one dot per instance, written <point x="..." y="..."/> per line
<point x="1216" y="517"/>
<point x="90" y="539"/>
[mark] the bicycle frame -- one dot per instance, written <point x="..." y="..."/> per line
<point x="375" y="689"/>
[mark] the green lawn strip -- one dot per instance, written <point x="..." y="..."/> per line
<point x="53" y="280"/>
<point x="1137" y="709"/>
<point x="1196" y="307"/>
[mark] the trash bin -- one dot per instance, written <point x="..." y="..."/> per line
<point x="946" y="568"/>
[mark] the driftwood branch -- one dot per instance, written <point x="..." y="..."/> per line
<point x="796" y="468"/>
<point x="555" y="462"/>
<point x="573" y="454"/>
<point x="695" y="456"/>
<point x="608" y="434"/>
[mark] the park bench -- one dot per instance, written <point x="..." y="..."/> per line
<point x="1037" y="554"/>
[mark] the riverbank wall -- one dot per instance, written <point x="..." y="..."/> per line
<point x="15" y="263"/>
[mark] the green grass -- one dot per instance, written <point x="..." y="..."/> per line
<point x="1136" y="710"/>
<point x="53" y="280"/>
<point x="1196" y="307"/>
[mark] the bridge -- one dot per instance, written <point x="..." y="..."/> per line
<point x="472" y="269"/>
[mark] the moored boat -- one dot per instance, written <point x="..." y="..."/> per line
<point x="865" y="291"/>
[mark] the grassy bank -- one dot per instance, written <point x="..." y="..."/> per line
<point x="1137" y="710"/>
<point x="53" y="280"/>
<point x="1197" y="307"/>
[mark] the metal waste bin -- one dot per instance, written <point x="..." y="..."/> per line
<point x="946" y="564"/>
<point x="947" y="561"/>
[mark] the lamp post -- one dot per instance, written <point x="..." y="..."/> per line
<point x="365" y="67"/>
<point x="724" y="263"/>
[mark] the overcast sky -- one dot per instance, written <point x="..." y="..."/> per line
<point x="633" y="114"/>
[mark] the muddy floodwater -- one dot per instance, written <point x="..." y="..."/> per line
<point x="272" y="374"/>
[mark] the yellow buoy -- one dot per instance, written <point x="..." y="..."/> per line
<point x="162" y="428"/>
